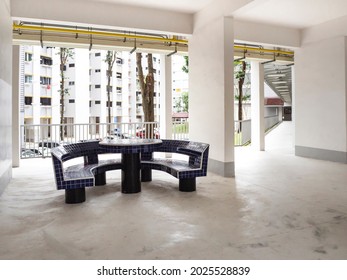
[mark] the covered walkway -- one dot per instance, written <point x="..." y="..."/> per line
<point x="278" y="206"/>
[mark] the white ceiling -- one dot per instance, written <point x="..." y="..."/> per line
<point x="184" y="6"/>
<point x="291" y="13"/>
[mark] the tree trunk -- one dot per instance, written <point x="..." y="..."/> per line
<point x="62" y="94"/>
<point x="241" y="82"/>
<point x="109" y="75"/>
<point x="147" y="92"/>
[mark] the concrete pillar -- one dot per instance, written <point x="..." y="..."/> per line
<point x="15" y="106"/>
<point x="165" y="97"/>
<point x="257" y="101"/>
<point x="293" y="106"/>
<point x="211" y="91"/>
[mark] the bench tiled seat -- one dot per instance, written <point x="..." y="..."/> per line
<point x="75" y="178"/>
<point x="185" y="171"/>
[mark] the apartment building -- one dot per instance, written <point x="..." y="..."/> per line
<point x="37" y="94"/>
<point x="86" y="82"/>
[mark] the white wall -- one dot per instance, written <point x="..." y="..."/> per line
<point x="5" y="94"/>
<point x="320" y="100"/>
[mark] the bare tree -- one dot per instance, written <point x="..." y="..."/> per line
<point x="240" y="74"/>
<point x="65" y="54"/>
<point x="147" y="91"/>
<point x="110" y="59"/>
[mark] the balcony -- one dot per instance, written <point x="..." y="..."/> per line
<point x="28" y="111"/>
<point x="46" y="112"/>
<point x="119" y="97"/>
<point x="46" y="91"/>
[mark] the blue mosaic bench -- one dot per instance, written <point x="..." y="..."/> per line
<point x="184" y="170"/>
<point x="75" y="178"/>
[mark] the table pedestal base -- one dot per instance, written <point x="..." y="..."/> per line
<point x="131" y="168"/>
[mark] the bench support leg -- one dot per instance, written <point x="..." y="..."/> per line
<point x="187" y="185"/>
<point x="146" y="174"/>
<point x="75" y="196"/>
<point x="100" y="179"/>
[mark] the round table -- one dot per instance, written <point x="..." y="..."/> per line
<point x="131" y="150"/>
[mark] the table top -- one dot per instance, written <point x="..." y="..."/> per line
<point x="129" y="142"/>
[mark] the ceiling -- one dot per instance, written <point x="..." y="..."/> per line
<point x="184" y="6"/>
<point x="291" y="13"/>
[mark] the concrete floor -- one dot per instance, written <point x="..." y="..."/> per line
<point x="277" y="207"/>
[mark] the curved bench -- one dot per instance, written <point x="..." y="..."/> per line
<point x="185" y="171"/>
<point x="92" y="172"/>
<point x="75" y="178"/>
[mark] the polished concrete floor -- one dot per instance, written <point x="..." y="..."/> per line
<point x="278" y="206"/>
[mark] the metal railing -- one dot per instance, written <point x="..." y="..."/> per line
<point x="242" y="129"/>
<point x="38" y="140"/>
<point x="180" y="130"/>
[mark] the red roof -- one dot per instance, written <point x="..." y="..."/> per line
<point x="273" y="101"/>
<point x="183" y="115"/>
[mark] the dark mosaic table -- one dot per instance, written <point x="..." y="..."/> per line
<point x="131" y="150"/>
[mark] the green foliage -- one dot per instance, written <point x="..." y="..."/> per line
<point x="185" y="67"/>
<point x="185" y="101"/>
<point x="245" y="97"/>
<point x="182" y="103"/>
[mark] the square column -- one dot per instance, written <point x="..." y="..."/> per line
<point x="257" y="103"/>
<point x="165" y="97"/>
<point x="16" y="91"/>
<point x="211" y="92"/>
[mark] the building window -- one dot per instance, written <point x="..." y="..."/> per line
<point x="28" y="56"/>
<point x="28" y="79"/>
<point x="97" y="70"/>
<point x="97" y="86"/>
<point x="46" y="60"/>
<point x="72" y="83"/>
<point x="28" y="100"/>
<point x="45" y="80"/>
<point x="107" y="104"/>
<point x="98" y="54"/>
<point x="119" y="75"/>
<point x="97" y="102"/>
<point x="71" y="100"/>
<point x="119" y="104"/>
<point x="90" y="87"/>
<point x="119" y="60"/>
<point x="90" y="103"/>
<point x="46" y="101"/>
<point x="72" y="65"/>
<point x="119" y="90"/>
